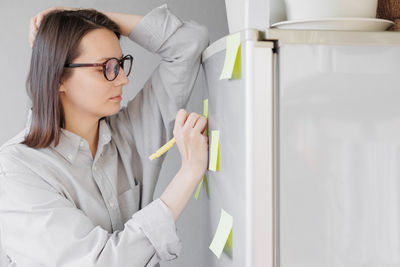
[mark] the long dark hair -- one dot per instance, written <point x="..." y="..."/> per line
<point x="56" y="43"/>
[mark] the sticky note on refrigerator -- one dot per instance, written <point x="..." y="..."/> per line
<point x="222" y="233"/>
<point x="203" y="181"/>
<point x="231" y="69"/>
<point x="196" y="196"/>
<point x="228" y="245"/>
<point x="213" y="164"/>
<point x="205" y="108"/>
<point x="205" y="113"/>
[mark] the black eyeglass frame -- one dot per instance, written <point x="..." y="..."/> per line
<point x="104" y="64"/>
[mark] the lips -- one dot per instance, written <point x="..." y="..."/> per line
<point x="116" y="98"/>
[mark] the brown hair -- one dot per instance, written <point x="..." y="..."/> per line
<point x="56" y="43"/>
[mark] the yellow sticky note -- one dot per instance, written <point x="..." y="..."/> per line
<point x="232" y="62"/>
<point x="205" y="108"/>
<point x="205" y="113"/>
<point x="204" y="180"/>
<point x="222" y="233"/>
<point x="213" y="164"/>
<point x="196" y="196"/>
<point x="228" y="245"/>
<point x="206" y="185"/>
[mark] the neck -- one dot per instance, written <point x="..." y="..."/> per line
<point x="87" y="128"/>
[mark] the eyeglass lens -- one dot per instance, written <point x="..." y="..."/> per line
<point x="113" y="65"/>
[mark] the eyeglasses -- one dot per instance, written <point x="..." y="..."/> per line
<point x="110" y="66"/>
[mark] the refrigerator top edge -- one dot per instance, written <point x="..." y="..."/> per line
<point x="331" y="37"/>
<point x="245" y="35"/>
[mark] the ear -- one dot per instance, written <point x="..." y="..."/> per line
<point x="61" y="88"/>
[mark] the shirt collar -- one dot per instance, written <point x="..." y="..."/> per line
<point x="104" y="132"/>
<point x="70" y="143"/>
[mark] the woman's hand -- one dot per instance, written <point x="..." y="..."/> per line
<point x="192" y="144"/>
<point x="125" y="22"/>
<point x="36" y="20"/>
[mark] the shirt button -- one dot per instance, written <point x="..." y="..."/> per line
<point x="111" y="205"/>
<point x="81" y="143"/>
<point x="69" y="156"/>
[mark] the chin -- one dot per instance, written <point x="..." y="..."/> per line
<point x="111" y="110"/>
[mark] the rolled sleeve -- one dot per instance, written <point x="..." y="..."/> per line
<point x="150" y="115"/>
<point x="157" y="223"/>
<point x="154" y="28"/>
<point x="60" y="234"/>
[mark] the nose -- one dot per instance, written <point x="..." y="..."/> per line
<point x="122" y="79"/>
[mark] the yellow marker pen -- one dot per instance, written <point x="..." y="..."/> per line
<point x="163" y="149"/>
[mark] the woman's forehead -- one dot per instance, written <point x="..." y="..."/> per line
<point x="99" y="45"/>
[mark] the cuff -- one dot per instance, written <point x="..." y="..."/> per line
<point x="155" y="28"/>
<point x="157" y="223"/>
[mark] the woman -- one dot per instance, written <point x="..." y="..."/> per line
<point x="76" y="186"/>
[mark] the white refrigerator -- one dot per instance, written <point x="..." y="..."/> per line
<point x="309" y="148"/>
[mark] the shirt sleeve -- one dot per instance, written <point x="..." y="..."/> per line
<point x="41" y="227"/>
<point x="150" y="115"/>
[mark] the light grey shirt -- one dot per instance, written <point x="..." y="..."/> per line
<point x="61" y="207"/>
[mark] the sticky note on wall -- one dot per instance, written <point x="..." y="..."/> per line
<point x="232" y="68"/>
<point x="222" y="234"/>
<point x="213" y="164"/>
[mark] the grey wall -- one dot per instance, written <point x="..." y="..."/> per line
<point x="14" y="103"/>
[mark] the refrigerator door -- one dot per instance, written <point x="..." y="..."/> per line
<point x="339" y="149"/>
<point x="241" y="109"/>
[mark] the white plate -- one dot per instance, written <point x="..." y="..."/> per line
<point x="341" y="24"/>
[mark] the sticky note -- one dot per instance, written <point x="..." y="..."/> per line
<point x="213" y="164"/>
<point x="206" y="185"/>
<point x="228" y="245"/>
<point x="232" y="61"/>
<point x="196" y="196"/>
<point x="205" y="113"/>
<point x="204" y="180"/>
<point x="222" y="233"/>
<point x="205" y="108"/>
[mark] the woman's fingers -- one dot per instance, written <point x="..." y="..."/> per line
<point x="180" y="119"/>
<point x="32" y="30"/>
<point x="36" y="21"/>
<point x="201" y="124"/>
<point x="192" y="120"/>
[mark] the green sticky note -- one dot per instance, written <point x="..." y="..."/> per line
<point x="222" y="233"/>
<point x="213" y="164"/>
<point x="232" y="62"/>
<point x="196" y="196"/>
